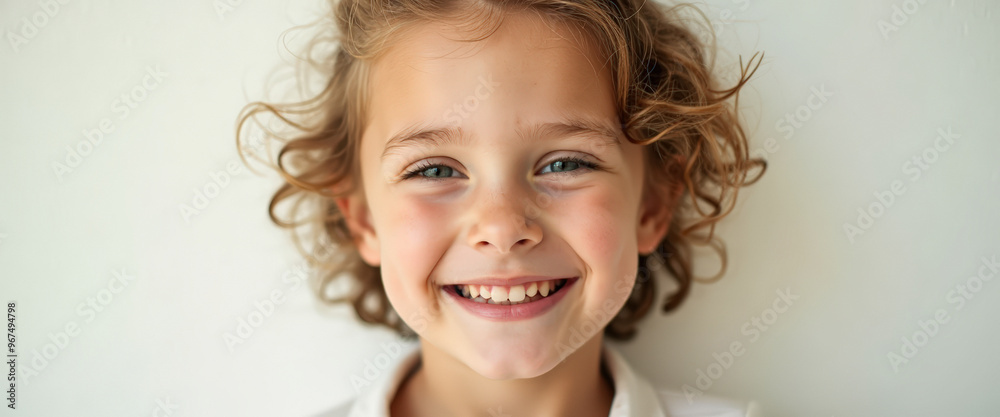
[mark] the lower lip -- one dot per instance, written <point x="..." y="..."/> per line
<point x="500" y="312"/>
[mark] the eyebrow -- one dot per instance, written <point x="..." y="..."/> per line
<point x="454" y="135"/>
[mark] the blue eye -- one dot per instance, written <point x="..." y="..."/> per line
<point x="568" y="165"/>
<point x="432" y="172"/>
<point x="438" y="172"/>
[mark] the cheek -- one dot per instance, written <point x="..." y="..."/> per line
<point x="413" y="238"/>
<point x="598" y="225"/>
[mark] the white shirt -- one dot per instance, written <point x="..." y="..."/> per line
<point x="634" y="395"/>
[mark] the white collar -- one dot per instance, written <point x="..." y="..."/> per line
<point x="634" y="395"/>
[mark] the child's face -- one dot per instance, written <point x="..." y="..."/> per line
<point x="498" y="205"/>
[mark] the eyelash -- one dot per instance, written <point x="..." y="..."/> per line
<point x="421" y="167"/>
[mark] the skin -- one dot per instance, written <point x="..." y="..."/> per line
<point x="497" y="206"/>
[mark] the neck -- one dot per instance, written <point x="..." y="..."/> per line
<point x="441" y="386"/>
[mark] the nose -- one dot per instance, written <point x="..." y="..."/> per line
<point x="505" y="222"/>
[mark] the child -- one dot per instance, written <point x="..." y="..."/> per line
<point x="501" y="179"/>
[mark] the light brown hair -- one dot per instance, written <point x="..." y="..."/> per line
<point x="667" y="96"/>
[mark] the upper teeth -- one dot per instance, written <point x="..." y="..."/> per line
<point x="513" y="294"/>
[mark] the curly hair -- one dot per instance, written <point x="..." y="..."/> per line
<point x="666" y="94"/>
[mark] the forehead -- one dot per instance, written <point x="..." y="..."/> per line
<point x="530" y="70"/>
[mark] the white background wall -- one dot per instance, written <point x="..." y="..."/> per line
<point x="160" y="338"/>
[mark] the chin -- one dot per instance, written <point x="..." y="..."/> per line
<point x="513" y="361"/>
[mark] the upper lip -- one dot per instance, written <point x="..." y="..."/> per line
<point x="508" y="281"/>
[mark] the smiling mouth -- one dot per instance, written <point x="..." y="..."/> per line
<point x="509" y="295"/>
